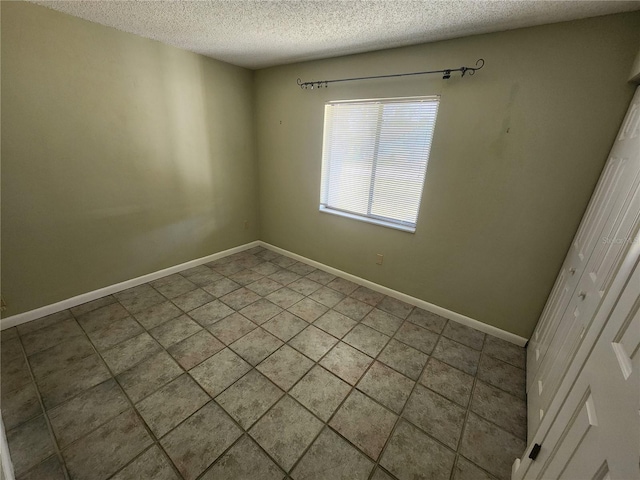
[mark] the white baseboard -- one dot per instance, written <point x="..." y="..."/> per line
<point x="443" y="312"/>
<point x="118" y="287"/>
<point x="21" y="318"/>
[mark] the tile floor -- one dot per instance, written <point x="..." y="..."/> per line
<point x="256" y="366"/>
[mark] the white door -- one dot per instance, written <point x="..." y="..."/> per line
<point x="587" y="274"/>
<point x="596" y="434"/>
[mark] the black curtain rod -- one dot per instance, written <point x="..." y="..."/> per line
<point x="446" y="74"/>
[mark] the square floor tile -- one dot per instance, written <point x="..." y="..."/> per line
<point x="167" y="407"/>
<point x="176" y="288"/>
<point x="368" y="296"/>
<point x="404" y="359"/>
<point x="366" y="339"/>
<point x="380" y="474"/>
<point x="15" y="374"/>
<point x="465" y="470"/>
<point x="240" y="298"/>
<point x="386" y="386"/>
<point x="502" y="375"/>
<point x="308" y="310"/>
<point x="412" y="455"/>
<point x="116" y="332"/>
<point x="166" y="280"/>
<point x="130" y="352"/>
<point x="448" y="381"/>
<point x="301" y="268"/>
<point x="343" y="286"/>
<point x="79" y="376"/>
<point x="87" y="411"/>
<point x="439" y="417"/>
<point x="286" y="431"/>
<point x="245" y="277"/>
<point x="157" y="314"/>
<point x="501" y="408"/>
<point x="353" y="420"/>
<point x="219" y="371"/>
<point x="382" y="321"/>
<point x="244" y="461"/>
<point x="195" y="349"/>
<point x="261" y="311"/>
<point x="332" y="458"/>
<point x="256" y="346"/>
<point x="346" y="362"/>
<point x="285" y="367"/>
<point x="102" y="317"/>
<point x="284" y="297"/>
<point x="457" y="355"/>
<point x="304" y="286"/>
<point x="193" y="299"/>
<point x="284" y="277"/>
<point x="265" y="268"/>
<point x="92" y="305"/>
<point x="428" y="320"/>
<point x="175" y="330"/>
<point x="20" y="405"/>
<point x="249" y="398"/>
<point x="152" y="464"/>
<point x="490" y="447"/>
<point x="395" y="307"/>
<point x="231" y="328"/>
<point x="335" y="323"/>
<point x="50" y="336"/>
<point x="148" y="376"/>
<point x="43" y="322"/>
<point x="505" y="351"/>
<point x="139" y="298"/>
<point x="200" y="440"/>
<point x="313" y="342"/>
<point x="283" y="261"/>
<point x="321" y="276"/>
<point x="205" y="279"/>
<point x="327" y="297"/>
<point x="285" y="326"/>
<point x="49" y="469"/>
<point x="228" y="268"/>
<point x="221" y="287"/>
<point x="107" y="449"/>
<point x="29" y="444"/>
<point x="352" y="308"/>
<point x="321" y="392"/>
<point x="466" y="335"/>
<point x="210" y="313"/>
<point x="264" y="286"/>
<point x="59" y="357"/>
<point x="11" y="349"/>
<point x="417" y="337"/>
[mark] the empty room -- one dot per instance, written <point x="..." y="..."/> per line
<point x="341" y="240"/>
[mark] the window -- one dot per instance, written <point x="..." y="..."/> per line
<point x="374" y="158"/>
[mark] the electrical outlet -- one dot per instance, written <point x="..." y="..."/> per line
<point x="379" y="258"/>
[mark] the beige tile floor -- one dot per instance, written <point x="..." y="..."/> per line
<point x="256" y="366"/>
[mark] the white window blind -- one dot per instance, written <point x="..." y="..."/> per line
<point x="374" y="158"/>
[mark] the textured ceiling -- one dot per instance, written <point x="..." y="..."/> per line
<point x="259" y="33"/>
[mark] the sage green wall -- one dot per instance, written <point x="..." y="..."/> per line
<point x="517" y="151"/>
<point x="120" y="156"/>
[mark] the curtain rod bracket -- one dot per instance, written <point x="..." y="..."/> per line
<point x="446" y="74"/>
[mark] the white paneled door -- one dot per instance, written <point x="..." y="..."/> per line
<point x="594" y="260"/>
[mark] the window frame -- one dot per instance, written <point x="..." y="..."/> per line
<point x="370" y="217"/>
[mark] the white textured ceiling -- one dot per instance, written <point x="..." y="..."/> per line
<point x="259" y="33"/>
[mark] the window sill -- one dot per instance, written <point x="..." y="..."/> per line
<point x="374" y="221"/>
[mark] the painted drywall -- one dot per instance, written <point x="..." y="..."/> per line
<point x="120" y="156"/>
<point x="635" y="70"/>
<point x="517" y="151"/>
